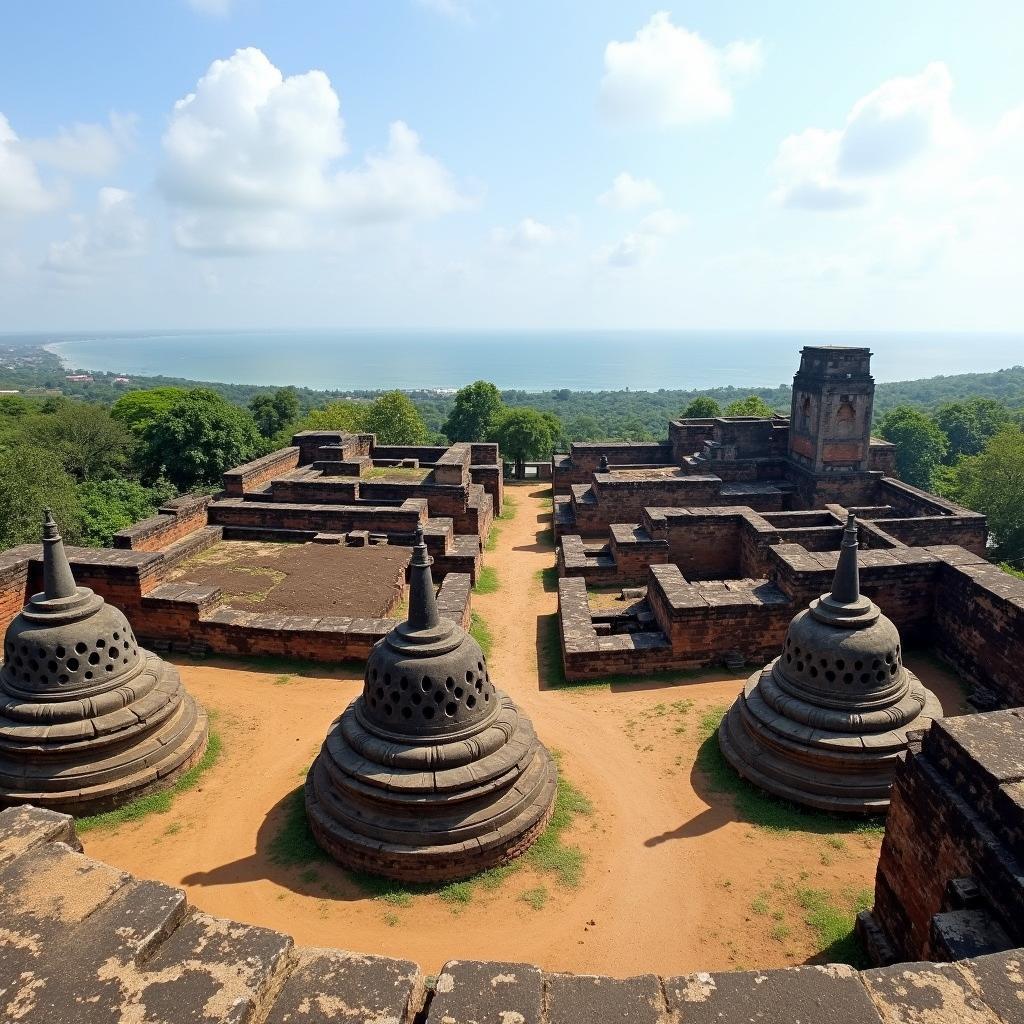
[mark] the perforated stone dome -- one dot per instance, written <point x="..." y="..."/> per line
<point x="431" y="773"/>
<point x="824" y="723"/>
<point x="88" y="718"/>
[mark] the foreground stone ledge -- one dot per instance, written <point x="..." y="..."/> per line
<point x="85" y="943"/>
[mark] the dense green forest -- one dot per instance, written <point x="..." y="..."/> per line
<point x="105" y="453"/>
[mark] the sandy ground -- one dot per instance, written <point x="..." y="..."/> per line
<point x="673" y="881"/>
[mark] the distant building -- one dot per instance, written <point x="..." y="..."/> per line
<point x="122" y="380"/>
<point x="79" y="378"/>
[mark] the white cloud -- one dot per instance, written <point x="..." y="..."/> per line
<point x="250" y="157"/>
<point x="21" y="189"/>
<point x="904" y="127"/>
<point x="86" y="149"/>
<point x="115" y="231"/>
<point x="667" y="75"/>
<point x="629" y="193"/>
<point x="643" y="243"/>
<point x="527" y="234"/>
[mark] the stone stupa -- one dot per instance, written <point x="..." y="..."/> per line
<point x="824" y="723"/>
<point x="88" y="719"/>
<point x="431" y="774"/>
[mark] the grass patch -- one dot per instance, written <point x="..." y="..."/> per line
<point x="758" y="808"/>
<point x="404" y="473"/>
<point x="293" y="843"/>
<point x="833" y="925"/>
<point x="547" y="578"/>
<point x="481" y="633"/>
<point x="487" y="581"/>
<point x="282" y="680"/>
<point x="491" y="543"/>
<point x="760" y="907"/>
<point x="535" y="898"/>
<point x="156" y="803"/>
<point x="549" y="853"/>
<point x="508" y="509"/>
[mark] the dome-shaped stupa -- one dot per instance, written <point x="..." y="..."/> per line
<point x="431" y="774"/>
<point x="825" y="722"/>
<point x="88" y="719"/>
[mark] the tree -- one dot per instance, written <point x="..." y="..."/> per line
<point x="31" y="479"/>
<point x="475" y="408"/>
<point x="274" y="412"/>
<point x="993" y="482"/>
<point x="395" y="420"/>
<point x="89" y="442"/>
<point x="704" y="407"/>
<point x="920" y="444"/>
<point x="197" y="438"/>
<point x="583" y="428"/>
<point x="968" y="425"/>
<point x="107" y="506"/>
<point x="137" y="409"/>
<point x="341" y="415"/>
<point x="524" y="434"/>
<point x="752" y="405"/>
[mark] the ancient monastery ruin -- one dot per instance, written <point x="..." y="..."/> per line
<point x="785" y="549"/>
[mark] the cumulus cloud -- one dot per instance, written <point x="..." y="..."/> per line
<point x="21" y="189"/>
<point x="667" y="75"/>
<point x="641" y="244"/>
<point x="629" y="193"/>
<point x="86" y="149"/>
<point x="906" y="124"/>
<point x="114" y="231"/>
<point x="527" y="234"/>
<point x="251" y="158"/>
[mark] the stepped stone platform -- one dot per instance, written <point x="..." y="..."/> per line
<point x="432" y="773"/>
<point x="88" y="719"/>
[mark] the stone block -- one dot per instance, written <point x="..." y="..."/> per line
<point x="477" y="992"/>
<point x="587" y="999"/>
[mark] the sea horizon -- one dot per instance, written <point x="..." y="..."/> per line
<point x="358" y="359"/>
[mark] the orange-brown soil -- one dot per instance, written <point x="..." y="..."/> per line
<point x="673" y="881"/>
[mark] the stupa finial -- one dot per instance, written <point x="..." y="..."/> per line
<point x="846" y="582"/>
<point x="423" y="612"/>
<point x="58" y="581"/>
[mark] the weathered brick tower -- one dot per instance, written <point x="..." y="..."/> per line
<point x="830" y="419"/>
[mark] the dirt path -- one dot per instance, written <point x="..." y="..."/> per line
<point x="672" y="881"/>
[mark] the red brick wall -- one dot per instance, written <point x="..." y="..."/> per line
<point x="176" y="519"/>
<point x="254" y="474"/>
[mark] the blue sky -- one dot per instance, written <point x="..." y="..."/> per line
<point x="474" y="163"/>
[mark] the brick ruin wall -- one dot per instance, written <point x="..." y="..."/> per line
<point x="126" y="948"/>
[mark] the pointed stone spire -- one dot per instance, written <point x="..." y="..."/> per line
<point x="58" y="582"/>
<point x="845" y="605"/>
<point x="423" y="612"/>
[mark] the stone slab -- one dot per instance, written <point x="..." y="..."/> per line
<point x="587" y="999"/>
<point x="481" y="992"/>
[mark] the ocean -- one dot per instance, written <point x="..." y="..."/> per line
<point x="521" y="360"/>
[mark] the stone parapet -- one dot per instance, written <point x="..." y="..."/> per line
<point x="127" y="949"/>
<point x="256" y="473"/>
<point x="174" y="520"/>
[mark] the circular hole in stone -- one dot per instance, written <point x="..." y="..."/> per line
<point x="428" y="712"/>
<point x="124" y="661"/>
<point x="94" y="658"/>
<point x="88" y="675"/>
<point x="892" y="670"/>
<point x="865" y="677"/>
<point x="449" y="684"/>
<point x="403" y="683"/>
<point x="471" y="701"/>
<point x="876" y="664"/>
<point x="469" y="676"/>
<point x="117" y="636"/>
<point x="848" y="678"/>
<point x="380" y="692"/>
<point x="823" y="662"/>
<point x="62" y="679"/>
<point x="110" y="668"/>
<point x="830" y="676"/>
<point x="101" y="643"/>
<point x="799" y="666"/>
<point x="487" y="696"/>
<point x="33" y="664"/>
<point x="858" y="665"/>
<point x="45" y="680"/>
<point x="416" y="698"/>
<point x="114" y="652"/>
<point x="814" y="672"/>
<point x="450" y="708"/>
<point x="479" y="666"/>
<point x="479" y="685"/>
<point x="61" y="651"/>
<point x="879" y="676"/>
<point x="395" y="697"/>
<point x="407" y="712"/>
<point x="18" y="660"/>
<point x="81" y="648"/>
<point x="789" y="641"/>
<point x="425" y="684"/>
<point x="52" y="665"/>
<point x="459" y="692"/>
<point x="439" y="696"/>
<point x="789" y="658"/>
<point x="387" y="709"/>
<point x="840" y="664"/>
